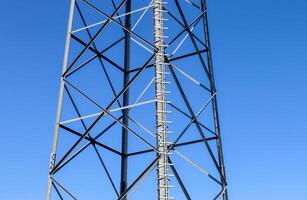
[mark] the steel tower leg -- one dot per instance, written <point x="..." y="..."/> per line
<point x="124" y="157"/>
<point x="161" y="121"/>
<point x="214" y="103"/>
<point x="60" y="101"/>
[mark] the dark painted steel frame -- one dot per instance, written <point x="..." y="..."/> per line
<point x="124" y="189"/>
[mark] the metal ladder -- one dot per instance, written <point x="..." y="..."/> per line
<point x="161" y="104"/>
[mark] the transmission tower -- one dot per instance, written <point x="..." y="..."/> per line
<point x="137" y="114"/>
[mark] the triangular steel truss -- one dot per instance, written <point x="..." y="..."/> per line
<point x="137" y="94"/>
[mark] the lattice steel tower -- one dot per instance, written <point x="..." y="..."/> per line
<point x="137" y="112"/>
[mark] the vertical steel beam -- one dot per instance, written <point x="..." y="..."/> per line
<point x="60" y="100"/>
<point x="214" y="102"/>
<point x="124" y="157"/>
<point x="161" y="121"/>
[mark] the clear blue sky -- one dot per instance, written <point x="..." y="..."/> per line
<point x="260" y="56"/>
